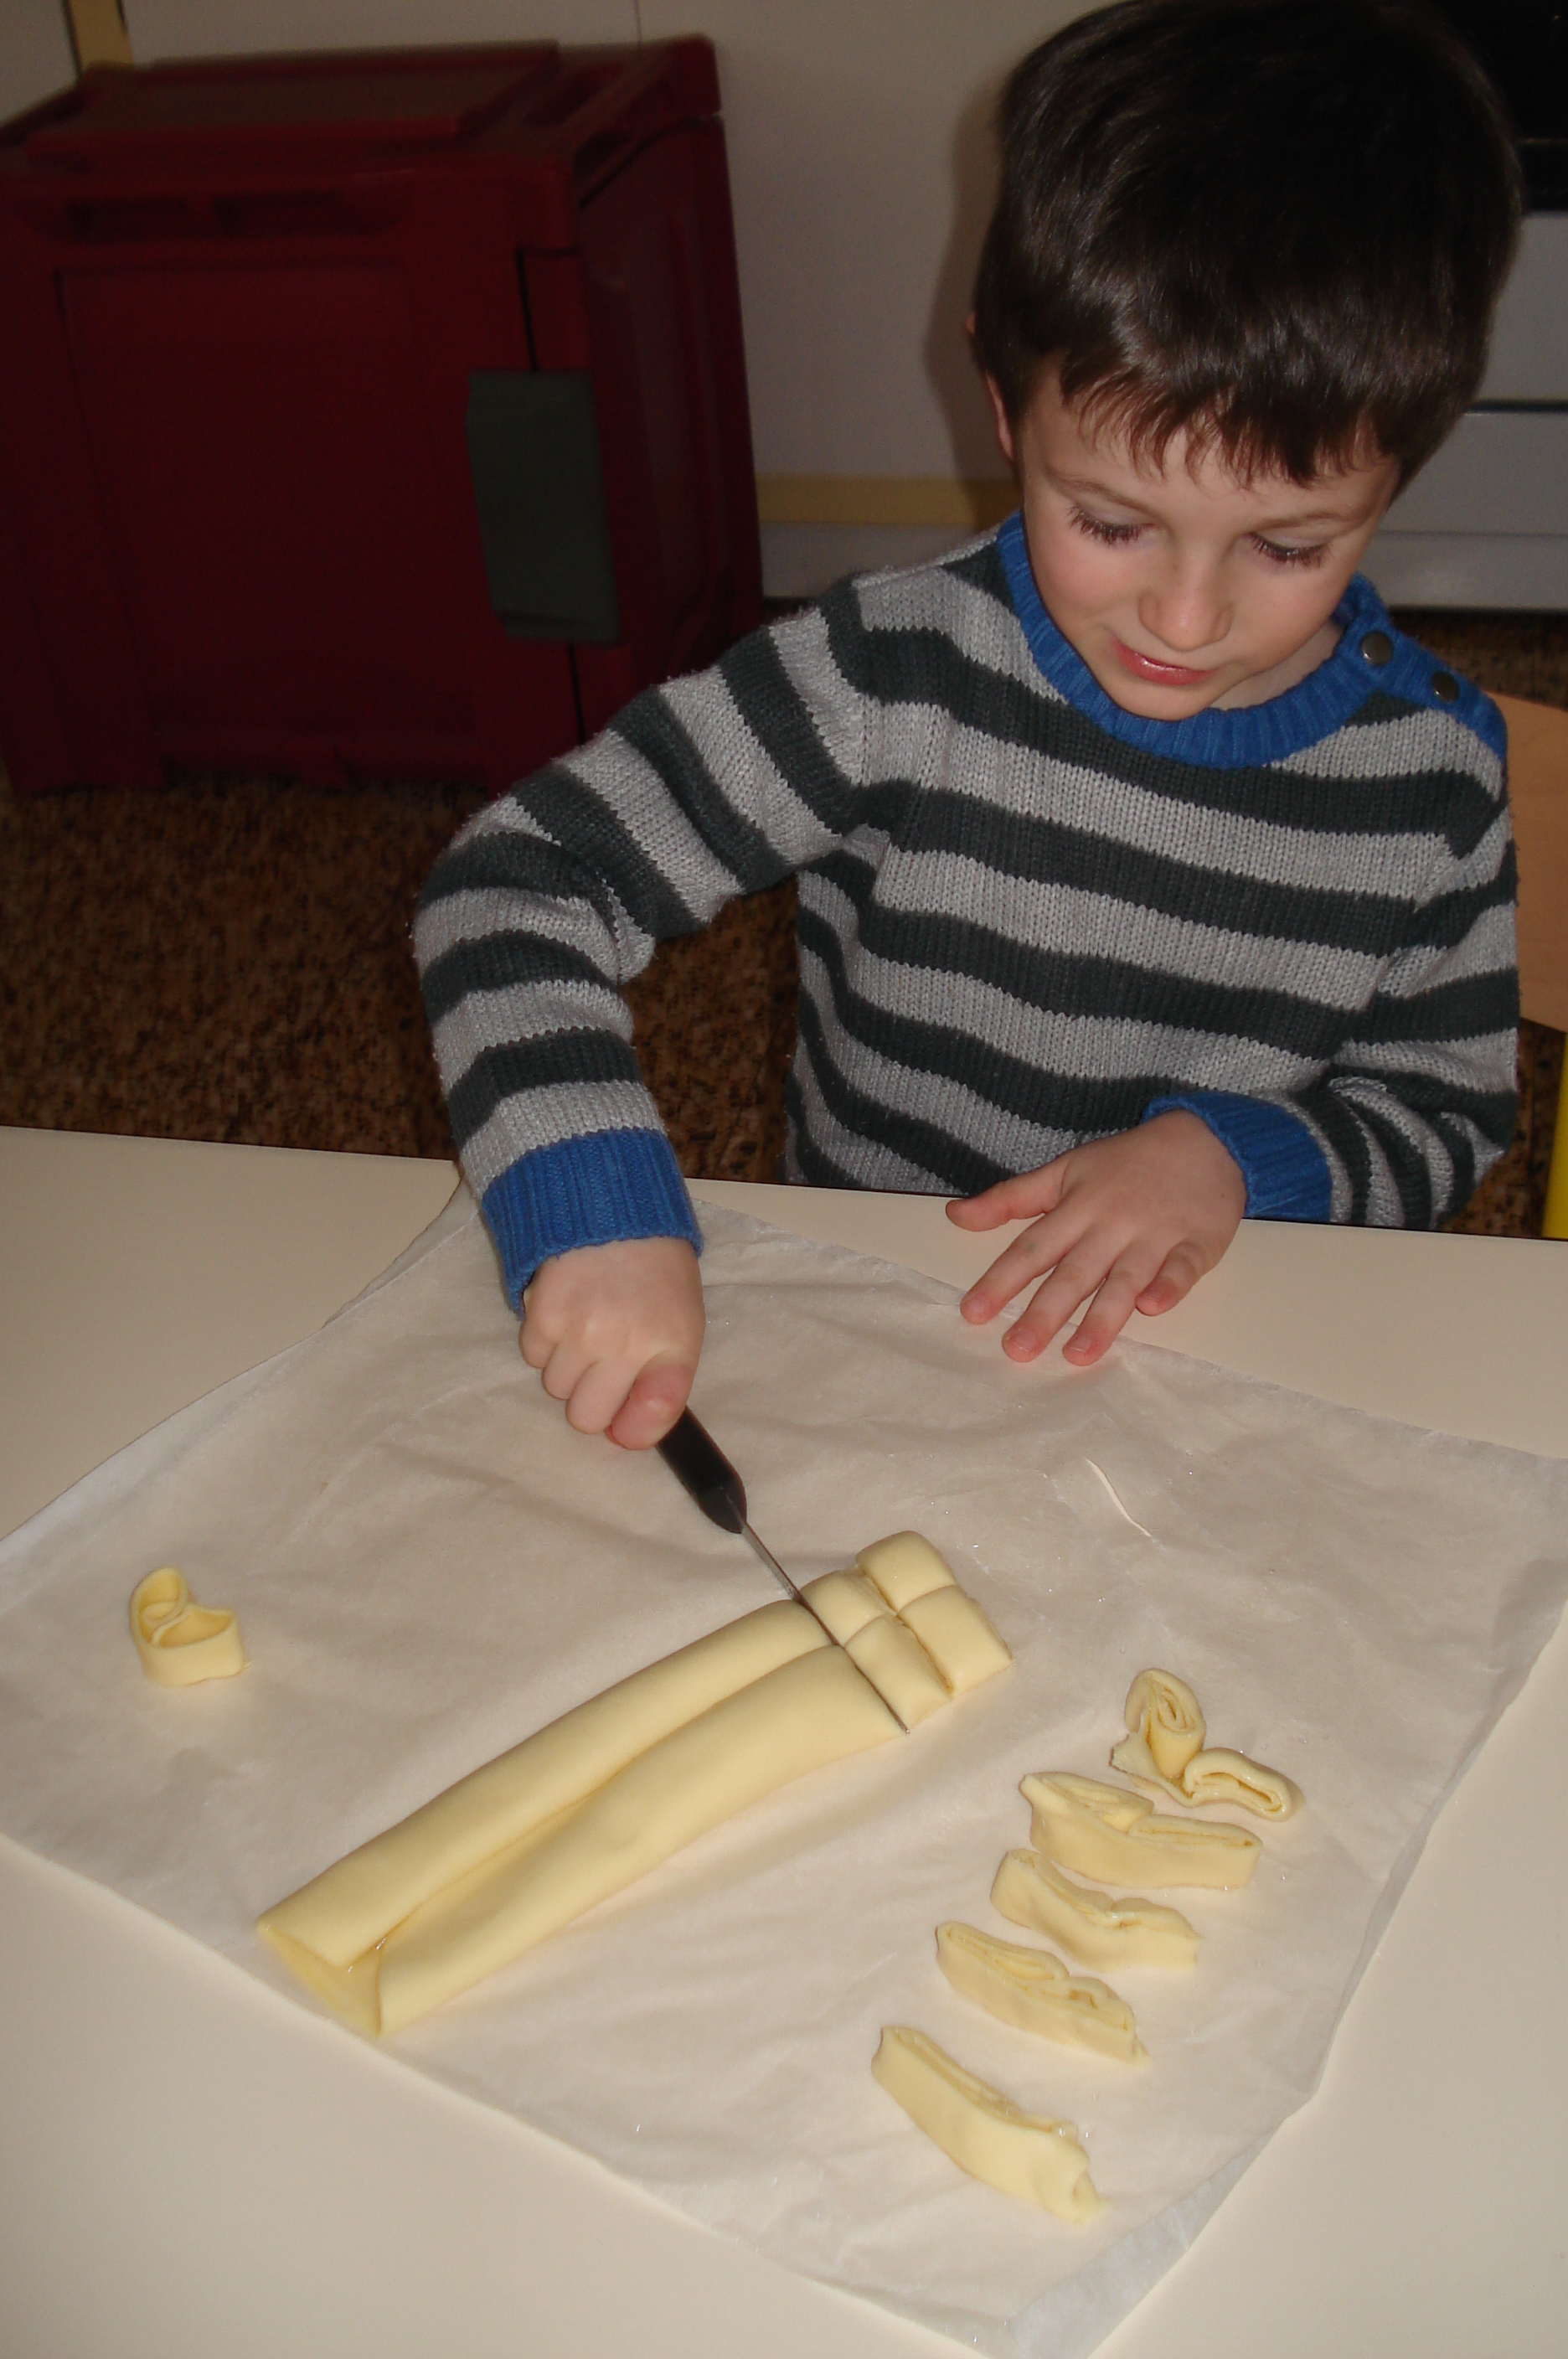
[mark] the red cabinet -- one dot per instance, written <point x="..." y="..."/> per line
<point x="371" y="413"/>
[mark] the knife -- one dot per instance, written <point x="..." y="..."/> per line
<point x="698" y="1463"/>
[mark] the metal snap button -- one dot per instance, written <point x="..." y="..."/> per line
<point x="1376" y="646"/>
<point x="1446" y="686"/>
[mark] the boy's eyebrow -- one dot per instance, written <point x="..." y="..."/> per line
<point x="1291" y="520"/>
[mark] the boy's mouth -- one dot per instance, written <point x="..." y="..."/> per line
<point x="1163" y="675"/>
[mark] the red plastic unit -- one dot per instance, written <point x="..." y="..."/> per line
<point x="381" y="413"/>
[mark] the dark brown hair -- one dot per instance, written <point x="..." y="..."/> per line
<point x="1280" y="225"/>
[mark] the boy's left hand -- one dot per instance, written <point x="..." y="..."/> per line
<point x="1134" y="1221"/>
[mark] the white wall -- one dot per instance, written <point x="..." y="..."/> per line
<point x="35" y="53"/>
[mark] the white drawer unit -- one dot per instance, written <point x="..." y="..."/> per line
<point x="1486" y="523"/>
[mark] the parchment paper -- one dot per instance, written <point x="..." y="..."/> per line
<point x="427" y="1566"/>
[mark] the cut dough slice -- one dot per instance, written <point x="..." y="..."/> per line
<point x="846" y="1603"/>
<point x="957" y="1636"/>
<point x="812" y="1711"/>
<point x="1220" y="1775"/>
<point x="179" y="1642"/>
<point x="898" y="1668"/>
<point x="1034" y="1991"/>
<point x="1111" y="1934"/>
<point x="984" y="2133"/>
<point x="350" y="1905"/>
<point x="1165" y="1753"/>
<point x="1116" y="1838"/>
<point x="1165" y="1712"/>
<point x="905" y="1567"/>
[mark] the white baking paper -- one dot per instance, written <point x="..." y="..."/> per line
<point x="427" y="1566"/>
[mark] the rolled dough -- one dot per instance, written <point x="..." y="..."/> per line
<point x="1098" y="1830"/>
<point x="586" y="1806"/>
<point x="356" y="1902"/>
<point x="1034" y="1992"/>
<point x="1027" y="2155"/>
<point x="1130" y="1932"/>
<point x="1164" y="1753"/>
<point x="179" y="1642"/>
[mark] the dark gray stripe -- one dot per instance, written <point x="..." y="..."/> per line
<point x="500" y="962"/>
<point x="517" y="1067"/>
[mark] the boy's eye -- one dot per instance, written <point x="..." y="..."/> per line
<point x="1098" y="528"/>
<point x="1280" y="553"/>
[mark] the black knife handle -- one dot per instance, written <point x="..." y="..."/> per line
<point x="694" y="1458"/>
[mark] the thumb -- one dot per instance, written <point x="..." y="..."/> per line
<point x="653" y="1403"/>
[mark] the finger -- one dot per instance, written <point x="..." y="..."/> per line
<point x="1177" y="1276"/>
<point x="596" y="1397"/>
<point x="652" y="1405"/>
<point x="1039" y="1248"/>
<point x="1022" y="1198"/>
<point x="564" y="1371"/>
<point x="1104" y="1319"/>
<point x="533" y="1341"/>
<point x="1071" y="1283"/>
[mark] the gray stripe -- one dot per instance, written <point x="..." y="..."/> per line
<point x="530" y="1120"/>
<point x="489" y="1019"/>
<point x="1081" y="1047"/>
<point x="864" y="1162"/>
<point x="1460" y="1065"/>
<point x="467" y="918"/>
<point x="1486" y="948"/>
<point x="1079" y="796"/>
<point x="1399" y="749"/>
<point x="962" y="1114"/>
<point x="1092" y="925"/>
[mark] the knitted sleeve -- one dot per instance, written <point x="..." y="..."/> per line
<point x="1420" y="1098"/>
<point x="553" y="897"/>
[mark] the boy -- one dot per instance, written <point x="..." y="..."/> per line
<point x="1149" y="877"/>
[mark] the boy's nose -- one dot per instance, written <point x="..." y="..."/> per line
<point x="1186" y="612"/>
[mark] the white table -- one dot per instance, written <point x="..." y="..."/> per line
<point x="190" y="2164"/>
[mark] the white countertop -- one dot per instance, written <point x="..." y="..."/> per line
<point x="192" y="2165"/>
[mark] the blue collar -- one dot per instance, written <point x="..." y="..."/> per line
<point x="1249" y="734"/>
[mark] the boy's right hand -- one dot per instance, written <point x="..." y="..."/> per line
<point x="616" y="1331"/>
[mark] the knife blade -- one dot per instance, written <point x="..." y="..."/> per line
<point x="698" y="1463"/>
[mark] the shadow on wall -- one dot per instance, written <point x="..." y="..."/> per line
<point x="972" y="166"/>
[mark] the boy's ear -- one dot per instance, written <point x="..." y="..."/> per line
<point x="999" y="407"/>
<point x="1004" y="423"/>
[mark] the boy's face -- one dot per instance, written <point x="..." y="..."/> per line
<point x="1180" y="586"/>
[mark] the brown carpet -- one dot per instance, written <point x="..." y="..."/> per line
<point x="228" y="958"/>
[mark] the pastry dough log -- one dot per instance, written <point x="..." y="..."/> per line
<point x="1101" y="1931"/>
<point x="1098" y="1830"/>
<point x="982" y="2132"/>
<point x="1034" y="1992"/>
<point x="1165" y="1753"/>
<point x="810" y="1712"/>
<point x="349" y="1907"/>
<point x="583" y="1808"/>
<point x="179" y="1642"/>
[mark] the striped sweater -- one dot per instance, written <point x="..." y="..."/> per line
<point x="1027" y="917"/>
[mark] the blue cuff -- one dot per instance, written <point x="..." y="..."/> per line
<point x="1285" y="1169"/>
<point x="586" y="1192"/>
